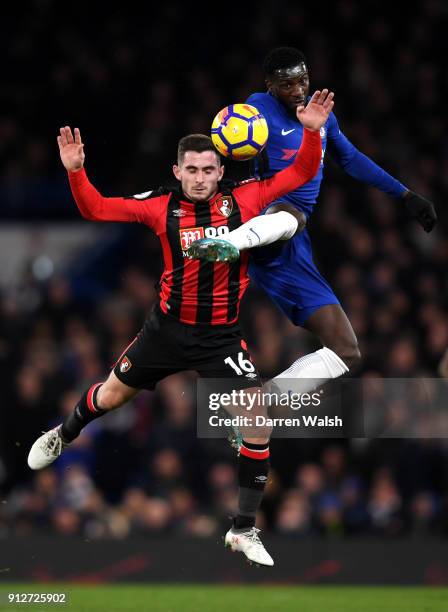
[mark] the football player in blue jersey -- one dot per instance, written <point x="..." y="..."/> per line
<point x="289" y="275"/>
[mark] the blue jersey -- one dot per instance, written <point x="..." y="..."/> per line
<point x="288" y="273"/>
<point x="285" y="136"/>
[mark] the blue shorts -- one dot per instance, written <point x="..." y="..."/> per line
<point x="288" y="274"/>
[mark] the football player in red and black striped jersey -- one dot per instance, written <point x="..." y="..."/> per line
<point x="195" y="324"/>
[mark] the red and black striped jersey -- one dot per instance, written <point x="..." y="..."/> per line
<point x="194" y="291"/>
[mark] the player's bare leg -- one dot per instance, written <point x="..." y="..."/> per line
<point x="332" y="327"/>
<point x="95" y="402"/>
<point x="339" y="354"/>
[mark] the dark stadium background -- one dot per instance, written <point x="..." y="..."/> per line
<point x="73" y="294"/>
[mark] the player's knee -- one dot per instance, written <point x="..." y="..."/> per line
<point x="349" y="353"/>
<point x="285" y="207"/>
<point x="109" y="398"/>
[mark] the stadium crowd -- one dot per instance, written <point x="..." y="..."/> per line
<point x="142" y="468"/>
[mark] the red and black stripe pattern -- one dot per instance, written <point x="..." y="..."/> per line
<point x="194" y="291"/>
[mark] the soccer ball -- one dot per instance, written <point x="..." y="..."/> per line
<point x="239" y="131"/>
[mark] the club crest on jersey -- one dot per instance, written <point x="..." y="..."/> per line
<point x="323" y="132"/>
<point x="125" y="364"/>
<point x="224" y="204"/>
<point x="189" y="235"/>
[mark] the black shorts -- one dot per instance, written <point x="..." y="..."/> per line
<point x="165" y="346"/>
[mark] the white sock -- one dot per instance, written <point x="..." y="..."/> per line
<point x="264" y="229"/>
<point x="311" y="370"/>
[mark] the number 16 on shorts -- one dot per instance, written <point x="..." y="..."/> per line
<point x="242" y="366"/>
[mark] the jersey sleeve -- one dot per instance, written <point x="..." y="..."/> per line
<point x="253" y="196"/>
<point x="95" y="207"/>
<point x="260" y="101"/>
<point x="358" y="165"/>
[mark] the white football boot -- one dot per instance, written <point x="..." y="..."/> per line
<point x="250" y="544"/>
<point x="46" y="449"/>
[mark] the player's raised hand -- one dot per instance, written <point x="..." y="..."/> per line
<point x="314" y="115"/>
<point x="71" y="149"/>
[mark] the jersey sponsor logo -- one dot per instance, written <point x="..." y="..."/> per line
<point x="216" y="232"/>
<point x="142" y="196"/>
<point x="323" y="132"/>
<point x="179" y="212"/>
<point x="125" y="364"/>
<point x="190" y="234"/>
<point x="224" y="204"/>
<point x="286" y="132"/>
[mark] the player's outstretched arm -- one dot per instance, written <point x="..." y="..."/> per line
<point x="71" y="149"/>
<point x="92" y="205"/>
<point x="362" y="168"/>
<point x="315" y="114"/>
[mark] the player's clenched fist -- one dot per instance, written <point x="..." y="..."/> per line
<point x="71" y="149"/>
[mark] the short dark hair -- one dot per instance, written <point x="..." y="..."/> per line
<point x="282" y="57"/>
<point x="197" y="143"/>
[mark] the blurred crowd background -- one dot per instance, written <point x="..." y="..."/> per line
<point x="135" y="82"/>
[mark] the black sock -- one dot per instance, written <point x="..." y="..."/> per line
<point x="86" y="410"/>
<point x="253" y="468"/>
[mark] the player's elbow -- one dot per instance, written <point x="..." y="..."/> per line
<point x="347" y="160"/>
<point x="89" y="215"/>
<point x="298" y="216"/>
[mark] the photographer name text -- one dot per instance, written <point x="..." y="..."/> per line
<point x="262" y="421"/>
